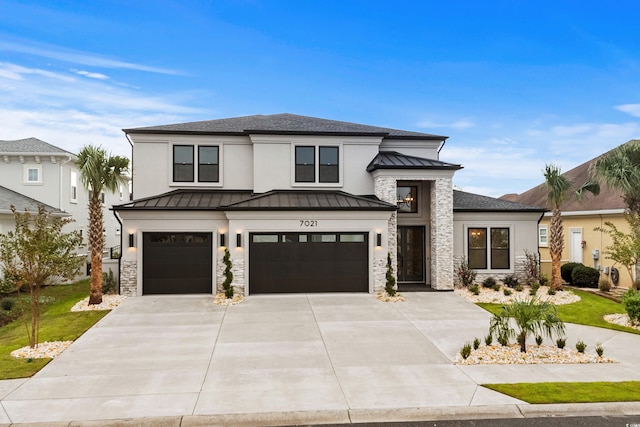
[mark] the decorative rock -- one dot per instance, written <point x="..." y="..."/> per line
<point x="385" y="297"/>
<point x="109" y="302"/>
<point x="511" y="355"/>
<point x="221" y="299"/>
<point x="488" y="295"/>
<point x="45" y="350"/>
<point x="622" y="320"/>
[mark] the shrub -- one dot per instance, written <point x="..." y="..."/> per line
<point x="631" y="303"/>
<point x="228" y="275"/>
<point x="465" y="352"/>
<point x="510" y="280"/>
<point x="507" y="292"/>
<point x="531" y="267"/>
<point x="518" y="288"/>
<point x="585" y="277"/>
<point x="551" y="291"/>
<point x="581" y="346"/>
<point x="108" y="283"/>
<point x="7" y="304"/>
<point x="503" y="340"/>
<point x="533" y="290"/>
<point x="7" y="285"/>
<point x="476" y="343"/>
<point x="567" y="269"/>
<point x="539" y="340"/>
<point x="465" y="274"/>
<point x="475" y="289"/>
<point x="561" y="342"/>
<point x="604" y="284"/>
<point x="488" y="339"/>
<point x="599" y="349"/>
<point x="489" y="282"/>
<point x="544" y="280"/>
<point x="390" y="286"/>
<point x="496" y="287"/>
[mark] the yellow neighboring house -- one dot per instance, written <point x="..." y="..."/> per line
<point x="581" y="242"/>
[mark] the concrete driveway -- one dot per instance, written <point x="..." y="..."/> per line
<point x="282" y="359"/>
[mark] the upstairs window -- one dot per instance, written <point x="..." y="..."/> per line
<point x="407" y="199"/>
<point x="74" y="186"/>
<point x="186" y="157"/>
<point x="325" y="170"/>
<point x="32" y="174"/>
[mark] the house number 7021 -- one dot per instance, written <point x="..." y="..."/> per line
<point x="308" y="223"/>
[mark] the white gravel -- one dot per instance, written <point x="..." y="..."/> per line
<point x="622" y="320"/>
<point x="109" y="302"/>
<point x="488" y="295"/>
<point x="497" y="354"/>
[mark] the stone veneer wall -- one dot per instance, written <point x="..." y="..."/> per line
<point x="128" y="277"/>
<point x="237" y="268"/>
<point x="442" y="234"/>
<point x="385" y="190"/>
<point x="518" y="270"/>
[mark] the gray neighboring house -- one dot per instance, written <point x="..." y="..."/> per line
<point x="36" y="171"/>
<point x="305" y="204"/>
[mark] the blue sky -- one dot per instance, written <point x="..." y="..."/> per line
<point x="514" y="84"/>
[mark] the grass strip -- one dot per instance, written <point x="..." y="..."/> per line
<point x="589" y="311"/>
<point x="57" y="323"/>
<point x="571" y="392"/>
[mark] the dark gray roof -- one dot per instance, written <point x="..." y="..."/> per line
<point x="282" y="124"/>
<point x="10" y="198"/>
<point x="395" y="160"/>
<point x="30" y="145"/>
<point x="246" y="200"/>
<point x="469" y="202"/>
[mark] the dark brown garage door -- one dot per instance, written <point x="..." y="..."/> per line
<point x="308" y="262"/>
<point x="176" y="263"/>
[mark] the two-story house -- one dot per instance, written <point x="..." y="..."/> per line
<point x="304" y="205"/>
<point x="34" y="172"/>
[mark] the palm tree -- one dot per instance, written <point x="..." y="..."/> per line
<point x="99" y="172"/>
<point x="530" y="317"/>
<point x="620" y="170"/>
<point x="558" y="187"/>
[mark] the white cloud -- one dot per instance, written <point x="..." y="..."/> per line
<point x="631" y="109"/>
<point x="78" y="57"/>
<point x="456" y="124"/>
<point x="91" y="75"/>
<point x="18" y="72"/>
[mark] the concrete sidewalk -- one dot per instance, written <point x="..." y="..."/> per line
<point x="286" y="359"/>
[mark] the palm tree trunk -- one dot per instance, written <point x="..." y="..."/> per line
<point x="96" y="243"/>
<point x="556" y="245"/>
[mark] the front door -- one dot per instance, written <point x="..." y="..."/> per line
<point x="411" y="254"/>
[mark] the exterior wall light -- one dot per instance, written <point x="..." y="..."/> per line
<point x="131" y="242"/>
<point x="239" y="240"/>
<point x="379" y="239"/>
<point x="222" y="240"/>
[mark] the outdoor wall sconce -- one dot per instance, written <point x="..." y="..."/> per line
<point x="379" y="239"/>
<point x="131" y="242"/>
<point x="222" y="240"/>
<point x="583" y="244"/>
<point x="239" y="240"/>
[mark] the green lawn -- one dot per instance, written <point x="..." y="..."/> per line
<point x="57" y="324"/>
<point x="589" y="311"/>
<point x="626" y="391"/>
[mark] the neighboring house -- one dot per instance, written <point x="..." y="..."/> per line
<point x="46" y="174"/>
<point x="582" y="242"/>
<point x="304" y="205"/>
<point x="21" y="202"/>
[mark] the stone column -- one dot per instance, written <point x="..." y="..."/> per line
<point x="385" y="190"/>
<point x="129" y="277"/>
<point x="442" y="234"/>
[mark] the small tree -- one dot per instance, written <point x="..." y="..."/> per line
<point x="35" y="253"/>
<point x="531" y="266"/>
<point x="465" y="274"/>
<point x="625" y="248"/>
<point x="390" y="286"/>
<point x="532" y="317"/>
<point x="228" y="274"/>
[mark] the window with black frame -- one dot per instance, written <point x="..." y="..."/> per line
<point x="208" y="164"/>
<point x="477" y="248"/>
<point x="305" y="164"/>
<point x="328" y="164"/>
<point x="183" y="163"/>
<point x="407" y="199"/>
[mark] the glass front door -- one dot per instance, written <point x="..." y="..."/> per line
<point x="411" y="254"/>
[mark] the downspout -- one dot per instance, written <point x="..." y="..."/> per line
<point x="131" y="144"/>
<point x="538" y="243"/>
<point x="62" y="182"/>
<point x="121" y="247"/>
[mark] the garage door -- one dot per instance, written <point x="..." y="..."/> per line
<point x="308" y="262"/>
<point x="176" y="263"/>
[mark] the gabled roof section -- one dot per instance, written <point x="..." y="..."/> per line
<point x="10" y="198"/>
<point x="223" y="200"/>
<point x="607" y="199"/>
<point x="282" y="124"/>
<point x="311" y="200"/>
<point x="469" y="202"/>
<point x="30" y="146"/>
<point x="395" y="160"/>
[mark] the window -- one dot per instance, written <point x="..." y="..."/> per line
<point x="543" y="235"/>
<point x="208" y="164"/>
<point x="489" y="247"/>
<point x="407" y="199"/>
<point x="184" y="161"/>
<point x="329" y="164"/>
<point x="33" y="174"/>
<point x="325" y="170"/>
<point x="305" y="164"/>
<point x="74" y="186"/>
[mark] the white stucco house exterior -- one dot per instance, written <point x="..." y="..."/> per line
<point x="304" y="204"/>
<point x="34" y="172"/>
